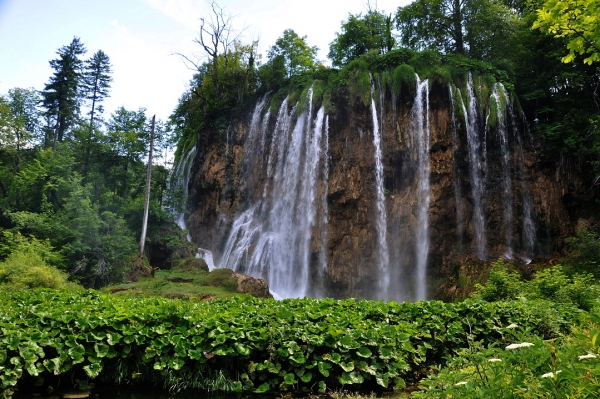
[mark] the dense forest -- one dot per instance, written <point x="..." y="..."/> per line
<point x="73" y="181"/>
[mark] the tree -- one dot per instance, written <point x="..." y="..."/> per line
<point x="96" y="80"/>
<point x="225" y="71"/>
<point x="296" y="54"/>
<point x="24" y="106"/>
<point x="360" y="34"/>
<point x="61" y="96"/>
<point x="473" y="27"/>
<point x="576" y="20"/>
<point x="127" y="138"/>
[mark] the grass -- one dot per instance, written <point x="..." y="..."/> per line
<point x="180" y="283"/>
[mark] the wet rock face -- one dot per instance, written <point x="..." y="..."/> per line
<point x="229" y="175"/>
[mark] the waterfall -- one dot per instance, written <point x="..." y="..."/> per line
<point x="324" y="207"/>
<point x="476" y="169"/>
<point x="381" y="217"/>
<point x="180" y="179"/>
<point x="419" y="130"/>
<point x="529" y="231"/>
<point x="272" y="237"/>
<point x="457" y="178"/>
<point x="500" y="97"/>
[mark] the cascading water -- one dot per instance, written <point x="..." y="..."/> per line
<point x="476" y="169"/>
<point x="500" y="97"/>
<point x="272" y="238"/>
<point x="324" y="207"/>
<point x="419" y="130"/>
<point x="181" y="174"/>
<point x="381" y="217"/>
<point x="456" y="181"/>
<point x="286" y="227"/>
<point x="529" y="230"/>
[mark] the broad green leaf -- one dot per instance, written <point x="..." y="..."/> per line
<point x="101" y="349"/>
<point x="289" y="379"/>
<point x="242" y="349"/>
<point x="347" y="366"/>
<point x="385" y="353"/>
<point x="93" y="370"/>
<point x="363" y="351"/>
<point x="322" y="387"/>
<point x="298" y="358"/>
<point x="306" y="377"/>
<point x="176" y="363"/>
<point x="262" y="388"/>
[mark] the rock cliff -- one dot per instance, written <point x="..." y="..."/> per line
<point x="290" y="193"/>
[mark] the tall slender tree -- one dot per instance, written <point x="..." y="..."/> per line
<point x="96" y="80"/>
<point x="61" y="96"/>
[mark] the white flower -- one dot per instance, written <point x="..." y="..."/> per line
<point x="521" y="345"/>
<point x="588" y="356"/>
<point x="494" y="360"/>
<point x="511" y="326"/>
<point x="461" y="383"/>
<point x="551" y="374"/>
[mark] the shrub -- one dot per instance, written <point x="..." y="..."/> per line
<point x="28" y="270"/>
<point x="501" y="285"/>
<point x="222" y="278"/>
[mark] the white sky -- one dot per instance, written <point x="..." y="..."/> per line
<point x="140" y="37"/>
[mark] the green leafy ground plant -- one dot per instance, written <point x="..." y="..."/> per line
<point x="246" y="344"/>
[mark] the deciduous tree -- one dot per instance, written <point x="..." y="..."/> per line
<point x="576" y="20"/>
<point x="360" y="34"/>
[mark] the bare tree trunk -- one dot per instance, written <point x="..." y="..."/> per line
<point x="147" y="199"/>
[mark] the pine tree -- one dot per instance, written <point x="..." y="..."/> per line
<point x="96" y="80"/>
<point x="61" y="96"/>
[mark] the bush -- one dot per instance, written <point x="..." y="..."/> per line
<point x="28" y="270"/>
<point x="550" y="284"/>
<point x="501" y="285"/>
<point x="192" y="265"/>
<point x="584" y="250"/>
<point x="222" y="278"/>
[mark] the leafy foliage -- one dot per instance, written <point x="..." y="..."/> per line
<point x="550" y="284"/>
<point x="568" y="367"/>
<point x="361" y="34"/>
<point x="246" y="344"/>
<point x="576" y="20"/>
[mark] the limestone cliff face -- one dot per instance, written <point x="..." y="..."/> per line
<point x="234" y="172"/>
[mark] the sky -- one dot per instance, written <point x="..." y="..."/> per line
<point x="142" y="39"/>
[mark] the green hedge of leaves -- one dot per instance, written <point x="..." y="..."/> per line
<point x="246" y="344"/>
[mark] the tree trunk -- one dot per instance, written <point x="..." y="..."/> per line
<point x="457" y="27"/>
<point x="147" y="199"/>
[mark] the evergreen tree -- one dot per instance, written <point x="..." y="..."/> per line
<point x="61" y="96"/>
<point x="96" y="80"/>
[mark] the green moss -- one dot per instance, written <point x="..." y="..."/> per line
<point x="277" y="100"/>
<point x="492" y="118"/>
<point x="404" y="75"/>
<point x="191" y="265"/>
<point x="318" y="91"/>
<point x="359" y="86"/>
<point x="327" y="103"/>
<point x="441" y="74"/>
<point x="303" y="100"/>
<point x="425" y="61"/>
<point x="222" y="278"/>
